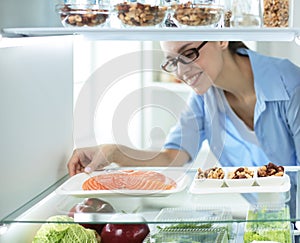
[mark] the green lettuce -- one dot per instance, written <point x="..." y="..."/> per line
<point x="64" y="232"/>
<point x="265" y="230"/>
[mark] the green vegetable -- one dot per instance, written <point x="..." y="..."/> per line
<point x="64" y="232"/>
<point x="260" y="230"/>
<point x="267" y="235"/>
<point x="190" y="233"/>
<point x="186" y="226"/>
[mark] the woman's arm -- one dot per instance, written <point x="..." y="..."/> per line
<point x="293" y="119"/>
<point x="92" y="158"/>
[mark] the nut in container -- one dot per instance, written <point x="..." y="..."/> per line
<point x="271" y="175"/>
<point x="277" y="13"/>
<point x="198" y="14"/>
<point x="83" y="14"/>
<point x="140" y="13"/>
<point x="211" y="177"/>
<point x="240" y="177"/>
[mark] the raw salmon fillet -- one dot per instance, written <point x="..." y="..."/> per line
<point x="129" y="180"/>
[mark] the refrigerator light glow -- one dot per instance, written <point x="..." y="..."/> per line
<point x="3" y="229"/>
<point x="30" y="41"/>
<point x="297" y="40"/>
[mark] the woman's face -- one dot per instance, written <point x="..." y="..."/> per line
<point x="204" y="71"/>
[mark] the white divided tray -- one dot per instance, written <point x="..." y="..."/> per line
<point x="264" y="185"/>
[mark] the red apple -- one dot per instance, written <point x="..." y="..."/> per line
<point x="125" y="233"/>
<point x="92" y="205"/>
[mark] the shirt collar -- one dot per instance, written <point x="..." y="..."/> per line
<point x="267" y="76"/>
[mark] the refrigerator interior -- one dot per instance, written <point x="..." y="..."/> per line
<point x="37" y="78"/>
<point x="36" y="116"/>
<point x="30" y="13"/>
<point x="134" y="107"/>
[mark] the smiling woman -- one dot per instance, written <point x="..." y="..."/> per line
<point x="223" y="74"/>
<point x="238" y="96"/>
<point x="185" y="57"/>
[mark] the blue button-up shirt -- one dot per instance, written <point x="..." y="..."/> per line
<point x="276" y="119"/>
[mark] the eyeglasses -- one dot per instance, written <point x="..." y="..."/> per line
<point x="186" y="57"/>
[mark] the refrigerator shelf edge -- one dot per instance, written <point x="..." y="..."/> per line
<point x="154" y="33"/>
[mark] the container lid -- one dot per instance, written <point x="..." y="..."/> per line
<point x="194" y="214"/>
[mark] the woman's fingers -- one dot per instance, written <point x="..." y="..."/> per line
<point x="88" y="159"/>
<point x="98" y="162"/>
<point x="74" y="164"/>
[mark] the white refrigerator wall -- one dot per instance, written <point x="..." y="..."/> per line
<point x="36" y="76"/>
<point x="29" y="13"/>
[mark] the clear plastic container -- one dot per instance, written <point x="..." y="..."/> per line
<point x="83" y="13"/>
<point x="264" y="227"/>
<point x="246" y="13"/>
<point x="194" y="214"/>
<point x="277" y="13"/>
<point x="197" y="14"/>
<point x="193" y="224"/>
<point x="189" y="235"/>
<point x="140" y="13"/>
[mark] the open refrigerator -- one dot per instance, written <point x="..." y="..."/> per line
<point x="39" y="78"/>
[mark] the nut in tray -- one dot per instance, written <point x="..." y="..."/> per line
<point x="270" y="175"/>
<point x="82" y="15"/>
<point x="241" y="176"/>
<point x="212" y="177"/>
<point x="139" y="14"/>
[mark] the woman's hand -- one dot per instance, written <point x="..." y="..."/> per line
<point x="93" y="158"/>
<point x="89" y="159"/>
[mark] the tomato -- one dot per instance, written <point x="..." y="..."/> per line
<point x="125" y="233"/>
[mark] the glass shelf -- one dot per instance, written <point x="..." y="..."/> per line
<point x="59" y="203"/>
<point x="149" y="33"/>
<point x="50" y="202"/>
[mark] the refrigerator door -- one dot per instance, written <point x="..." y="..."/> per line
<point x="36" y="77"/>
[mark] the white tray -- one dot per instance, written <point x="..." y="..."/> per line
<point x="73" y="186"/>
<point x="195" y="189"/>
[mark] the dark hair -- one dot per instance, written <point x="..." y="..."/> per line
<point x="234" y="45"/>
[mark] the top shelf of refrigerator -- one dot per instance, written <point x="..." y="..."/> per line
<point x="241" y="20"/>
<point x="177" y="34"/>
